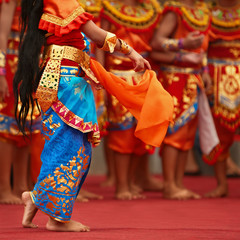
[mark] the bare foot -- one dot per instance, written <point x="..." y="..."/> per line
<point x="30" y="211"/>
<point x="152" y="184"/>
<point x="90" y="195"/>
<point x="9" y="198"/>
<point x="136" y="192"/>
<point x="193" y="195"/>
<point x="136" y="195"/>
<point x="81" y="198"/>
<point x="124" y="195"/>
<point x="135" y="188"/>
<point x="232" y="168"/>
<point x="175" y="193"/>
<point x="71" y="226"/>
<point x="109" y="182"/>
<point x="220" y="191"/>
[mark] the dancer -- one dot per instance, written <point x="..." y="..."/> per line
<point x="134" y="21"/>
<point x="224" y="60"/>
<point x="14" y="148"/>
<point x="180" y="43"/>
<point x="64" y="93"/>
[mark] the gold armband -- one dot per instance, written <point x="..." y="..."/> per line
<point x="124" y="47"/>
<point x="172" y="44"/>
<point x="205" y="61"/>
<point x="2" y="59"/>
<point x="109" y="43"/>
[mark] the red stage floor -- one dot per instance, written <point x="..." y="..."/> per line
<point x="151" y="219"/>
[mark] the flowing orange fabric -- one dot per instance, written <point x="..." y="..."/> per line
<point x="150" y="104"/>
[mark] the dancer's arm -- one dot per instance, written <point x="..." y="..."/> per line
<point x="98" y="36"/>
<point x="164" y="36"/>
<point x="166" y="48"/>
<point x="6" y="17"/>
<point x="173" y="57"/>
<point x="100" y="54"/>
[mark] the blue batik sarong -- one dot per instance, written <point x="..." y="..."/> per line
<point x="67" y="151"/>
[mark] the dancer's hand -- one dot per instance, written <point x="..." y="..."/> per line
<point x="193" y="40"/>
<point x="192" y="57"/>
<point x="4" y="92"/>
<point x="139" y="62"/>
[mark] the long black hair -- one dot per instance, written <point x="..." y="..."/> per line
<point x="28" y="72"/>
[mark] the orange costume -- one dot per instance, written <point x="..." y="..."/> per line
<point x="135" y="25"/>
<point x="224" y="61"/>
<point x="8" y="126"/>
<point x="183" y="80"/>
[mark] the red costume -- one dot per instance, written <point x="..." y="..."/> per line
<point x="183" y="80"/>
<point x="135" y="25"/>
<point x="224" y="61"/>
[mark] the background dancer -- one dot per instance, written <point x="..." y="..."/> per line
<point x="134" y="21"/>
<point x="224" y="60"/>
<point x="180" y="43"/>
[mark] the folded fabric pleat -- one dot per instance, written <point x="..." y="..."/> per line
<point x="150" y="104"/>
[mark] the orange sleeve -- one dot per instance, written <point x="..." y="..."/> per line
<point x="62" y="17"/>
<point x="150" y="104"/>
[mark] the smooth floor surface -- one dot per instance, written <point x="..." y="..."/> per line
<point x="151" y="219"/>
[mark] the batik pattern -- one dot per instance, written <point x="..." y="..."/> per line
<point x="65" y="165"/>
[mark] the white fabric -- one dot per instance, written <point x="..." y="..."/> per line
<point x="207" y="132"/>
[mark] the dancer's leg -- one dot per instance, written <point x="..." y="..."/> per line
<point x="109" y="155"/>
<point x="122" y="162"/>
<point x="20" y="170"/>
<point x="134" y="188"/>
<point x="169" y="164"/>
<point x="181" y="165"/>
<point x="6" y="195"/>
<point x="222" y="186"/>
<point x="144" y="177"/>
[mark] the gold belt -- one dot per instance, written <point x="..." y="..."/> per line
<point x="48" y="85"/>
<point x="56" y="52"/>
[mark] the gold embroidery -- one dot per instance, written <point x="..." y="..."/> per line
<point x="235" y="52"/>
<point x="176" y="109"/>
<point x="73" y="54"/>
<point x="231" y="81"/>
<point x="48" y="86"/>
<point x="62" y="22"/>
<point x="225" y="18"/>
<point x="190" y="92"/>
<point x="13" y="64"/>
<point x="197" y="17"/>
<point x="226" y="90"/>
<point x="171" y="77"/>
<point x="53" y="126"/>
<point x="146" y="14"/>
